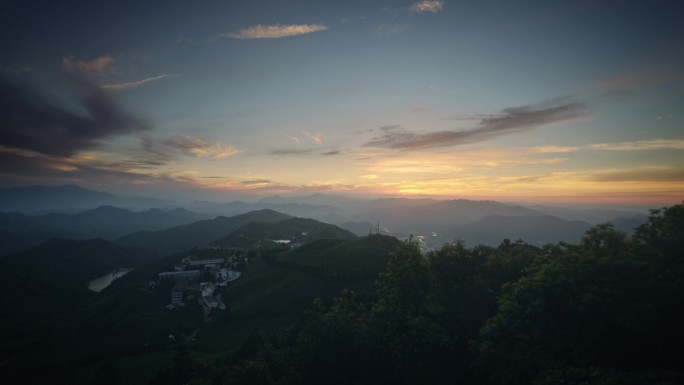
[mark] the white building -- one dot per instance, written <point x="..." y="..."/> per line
<point x="207" y="288"/>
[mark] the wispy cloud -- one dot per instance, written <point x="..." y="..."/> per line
<point x="99" y="64"/>
<point x="644" y="174"/>
<point x="255" y="182"/>
<point x="294" y="139"/>
<point x="292" y="152"/>
<point x="131" y="85"/>
<point x="202" y="149"/>
<point x="331" y="153"/>
<point x="674" y="144"/>
<point x="626" y="83"/>
<point x="509" y="121"/>
<point x="30" y="122"/>
<point x="433" y="6"/>
<point x="556" y="149"/>
<point x="273" y="31"/>
<point x="642" y="145"/>
<point x="80" y="168"/>
<point x="318" y="138"/>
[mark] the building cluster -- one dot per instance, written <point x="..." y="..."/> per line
<point x="201" y="275"/>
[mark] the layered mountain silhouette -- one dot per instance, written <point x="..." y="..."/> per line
<point x="184" y="237"/>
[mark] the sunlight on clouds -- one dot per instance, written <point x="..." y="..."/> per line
<point x="99" y="64"/>
<point x="433" y="6"/>
<point x="458" y="162"/>
<point x="318" y="138"/>
<point x="433" y="165"/>
<point x="131" y="85"/>
<point x="643" y="145"/>
<point x="62" y="167"/>
<point x="274" y="31"/>
<point x="552" y="185"/>
<point x="446" y="186"/>
<point x="202" y="149"/>
<point x="640" y="145"/>
<point x="555" y="149"/>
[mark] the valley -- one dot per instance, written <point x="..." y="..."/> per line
<point x="131" y="301"/>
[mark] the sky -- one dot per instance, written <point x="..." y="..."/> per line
<point x="530" y="101"/>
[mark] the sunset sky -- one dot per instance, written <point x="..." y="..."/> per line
<point x="553" y="101"/>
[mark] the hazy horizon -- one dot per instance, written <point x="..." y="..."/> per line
<point x="552" y="103"/>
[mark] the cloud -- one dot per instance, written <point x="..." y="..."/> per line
<point x="331" y="152"/>
<point x="273" y="31"/>
<point x="28" y="121"/>
<point x="100" y="64"/>
<point x="555" y="149"/>
<point x="292" y="152"/>
<point x="318" y="138"/>
<point x="521" y="179"/>
<point x="199" y="148"/>
<point x="433" y="6"/>
<point x="642" y="145"/>
<point x="256" y="182"/>
<point x="369" y="176"/>
<point x="645" y="174"/>
<point x="39" y="168"/>
<point x="128" y="86"/>
<point x="293" y="138"/>
<point x="621" y="85"/>
<point x="510" y="121"/>
<point x="660" y="144"/>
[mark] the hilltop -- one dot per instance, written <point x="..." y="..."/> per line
<point x="293" y="230"/>
<point x="284" y="283"/>
<point x="184" y="237"/>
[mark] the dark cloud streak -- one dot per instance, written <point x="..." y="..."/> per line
<point x="256" y="182"/>
<point x="510" y="121"/>
<point x="29" y="122"/>
<point x="292" y="152"/>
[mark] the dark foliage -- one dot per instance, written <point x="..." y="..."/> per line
<point x="604" y="311"/>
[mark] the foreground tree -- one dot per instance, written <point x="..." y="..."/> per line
<point x="590" y="313"/>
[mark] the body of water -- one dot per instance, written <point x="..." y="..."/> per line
<point x="99" y="284"/>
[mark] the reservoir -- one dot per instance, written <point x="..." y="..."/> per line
<point x="99" y="284"/>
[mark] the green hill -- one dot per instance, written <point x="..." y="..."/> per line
<point x="184" y="237"/>
<point x="360" y="257"/>
<point x="112" y="222"/>
<point x="20" y="232"/>
<point x="289" y="281"/>
<point x="73" y="263"/>
<point x="46" y="288"/>
<point x="536" y="230"/>
<point x="294" y="230"/>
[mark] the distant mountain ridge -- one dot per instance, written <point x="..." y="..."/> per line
<point x="399" y="217"/>
<point x="21" y="231"/>
<point x="113" y="222"/>
<point x="184" y="237"/>
<point x="403" y="217"/>
<point x="536" y="230"/>
<point x="302" y="230"/>
<point x="41" y="198"/>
